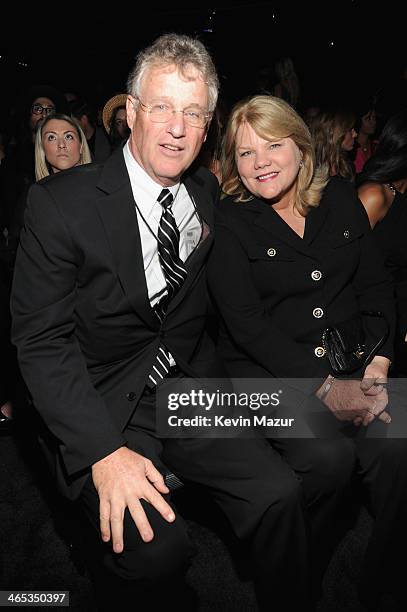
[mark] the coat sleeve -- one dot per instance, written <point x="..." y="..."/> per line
<point x="246" y="317"/>
<point x="43" y="329"/>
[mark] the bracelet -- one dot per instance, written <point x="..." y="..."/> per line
<point x="327" y="387"/>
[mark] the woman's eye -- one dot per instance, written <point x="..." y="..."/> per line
<point x="245" y="154"/>
<point x="275" y="145"/>
<point x="69" y="137"/>
<point x="50" y="137"/>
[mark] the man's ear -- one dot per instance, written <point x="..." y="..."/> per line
<point x="130" y="110"/>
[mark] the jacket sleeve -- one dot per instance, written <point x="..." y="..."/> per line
<point x="43" y="329"/>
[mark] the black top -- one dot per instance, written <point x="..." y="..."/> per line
<point x="391" y="236"/>
<point x="277" y="292"/>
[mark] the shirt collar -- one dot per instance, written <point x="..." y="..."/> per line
<point x="144" y="182"/>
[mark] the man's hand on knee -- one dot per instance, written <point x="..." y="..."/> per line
<point x="121" y="480"/>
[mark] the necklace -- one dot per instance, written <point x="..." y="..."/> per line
<point x="391" y="187"/>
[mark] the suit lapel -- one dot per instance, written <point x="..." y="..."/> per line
<point x="117" y="211"/>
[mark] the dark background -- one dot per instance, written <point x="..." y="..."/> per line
<point x="344" y="50"/>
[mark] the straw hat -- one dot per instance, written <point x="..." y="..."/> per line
<point x="118" y="100"/>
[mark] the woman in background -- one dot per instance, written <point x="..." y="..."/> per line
<point x="60" y="144"/>
<point x="365" y="143"/>
<point x="333" y="133"/>
<point x="382" y="189"/>
<point x="18" y="166"/>
<point x="288" y="85"/>
<point x="115" y="121"/>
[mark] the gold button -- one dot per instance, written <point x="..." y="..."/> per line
<point x="346" y="233"/>
<point x="271" y="252"/>
<point x="319" y="351"/>
<point x="318" y="313"/>
<point x="316" y="275"/>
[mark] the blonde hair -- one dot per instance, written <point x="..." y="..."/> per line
<point x="272" y="118"/>
<point x="42" y="168"/>
<point x="328" y="130"/>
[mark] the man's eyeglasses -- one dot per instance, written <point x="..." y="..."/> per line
<point x="38" y="109"/>
<point x="161" y="113"/>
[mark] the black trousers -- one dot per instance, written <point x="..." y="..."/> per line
<point x="259" y="492"/>
<point x="382" y="476"/>
<point x="379" y="480"/>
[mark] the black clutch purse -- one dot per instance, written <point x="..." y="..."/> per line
<point x="352" y="344"/>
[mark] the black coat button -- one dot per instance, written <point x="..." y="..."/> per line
<point x="131" y="396"/>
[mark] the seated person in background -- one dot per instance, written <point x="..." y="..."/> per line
<point x="293" y="254"/>
<point x="365" y="142"/>
<point x="287" y="86"/>
<point x="59" y="144"/>
<point x="115" y="120"/>
<point x="382" y="189"/>
<point x="209" y="155"/>
<point x="17" y="169"/>
<point x="333" y="133"/>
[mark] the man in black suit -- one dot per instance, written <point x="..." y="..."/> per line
<point x="93" y="308"/>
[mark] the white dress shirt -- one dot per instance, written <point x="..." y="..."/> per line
<point x="146" y="192"/>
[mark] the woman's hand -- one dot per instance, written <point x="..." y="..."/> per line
<point x="375" y="377"/>
<point x="374" y="383"/>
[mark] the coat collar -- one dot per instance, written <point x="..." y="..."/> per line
<point x="268" y="219"/>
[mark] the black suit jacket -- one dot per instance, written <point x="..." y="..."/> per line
<point x="82" y="321"/>
<point x="277" y="292"/>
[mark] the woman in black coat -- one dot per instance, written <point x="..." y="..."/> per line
<point x="294" y="255"/>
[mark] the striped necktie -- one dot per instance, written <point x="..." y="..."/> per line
<point x="174" y="273"/>
<point x="168" y="249"/>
